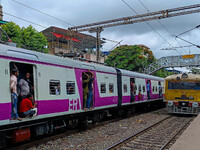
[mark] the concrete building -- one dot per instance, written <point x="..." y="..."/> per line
<point x="70" y="43"/>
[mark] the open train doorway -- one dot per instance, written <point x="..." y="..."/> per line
<point x="132" y="90"/>
<point x="25" y="84"/>
<point x="88" y="90"/>
<point x="149" y="91"/>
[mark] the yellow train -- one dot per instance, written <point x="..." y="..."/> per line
<point x="182" y="93"/>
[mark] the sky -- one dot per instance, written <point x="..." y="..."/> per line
<point x="79" y="12"/>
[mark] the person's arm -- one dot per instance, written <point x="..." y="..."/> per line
<point x="91" y="73"/>
<point x="12" y="84"/>
<point x="86" y="74"/>
<point x="34" y="105"/>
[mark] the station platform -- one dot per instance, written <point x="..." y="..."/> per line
<point x="190" y="139"/>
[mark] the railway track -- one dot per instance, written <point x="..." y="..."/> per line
<point x="155" y="137"/>
<point x="43" y="140"/>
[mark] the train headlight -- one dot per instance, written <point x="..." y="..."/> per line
<point x="195" y="104"/>
<point x="170" y="103"/>
<point x="191" y="97"/>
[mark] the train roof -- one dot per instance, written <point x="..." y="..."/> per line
<point x="21" y="53"/>
<point x="16" y="52"/>
<point x="140" y="75"/>
<point x="183" y="76"/>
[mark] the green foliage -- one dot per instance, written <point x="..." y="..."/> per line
<point x="130" y="57"/>
<point x="28" y="38"/>
<point x="162" y="73"/>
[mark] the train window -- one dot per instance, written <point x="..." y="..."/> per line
<point x="140" y="88"/>
<point x="125" y="88"/>
<point x="135" y="89"/>
<point x="156" y="89"/>
<point x="153" y="88"/>
<point x="143" y="88"/>
<point x="54" y="87"/>
<point x="111" y="88"/>
<point x="103" y="88"/>
<point x="70" y="87"/>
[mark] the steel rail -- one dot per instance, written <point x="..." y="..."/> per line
<point x="164" y="146"/>
<point x="118" y="144"/>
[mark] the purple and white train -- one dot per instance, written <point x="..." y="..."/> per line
<point x="111" y="92"/>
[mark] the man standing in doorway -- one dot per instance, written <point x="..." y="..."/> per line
<point x="13" y="89"/>
<point x="148" y="89"/>
<point x="91" y="79"/>
<point x="85" y="89"/>
<point x="25" y="85"/>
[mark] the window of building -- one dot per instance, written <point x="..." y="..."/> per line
<point x="111" y="88"/>
<point x="70" y="87"/>
<point x="54" y="87"/>
<point x="103" y="88"/>
<point x="125" y="88"/>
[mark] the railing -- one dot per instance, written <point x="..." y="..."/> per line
<point x="173" y="61"/>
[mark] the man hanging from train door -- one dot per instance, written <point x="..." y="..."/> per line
<point x="14" y="98"/>
<point x="148" y="89"/>
<point x="132" y="91"/>
<point x="91" y="79"/>
<point x="85" y="89"/>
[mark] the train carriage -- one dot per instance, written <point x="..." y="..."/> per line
<point x="111" y="91"/>
<point x="182" y="93"/>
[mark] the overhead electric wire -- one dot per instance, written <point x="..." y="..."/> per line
<point x="189" y="30"/>
<point x="160" y="23"/>
<point x="42" y="13"/>
<point x="23" y="19"/>
<point x="150" y="26"/>
<point x="188" y="42"/>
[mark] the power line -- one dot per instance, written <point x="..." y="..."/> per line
<point x="160" y="22"/>
<point x="188" y="42"/>
<point x="42" y="12"/>
<point x="149" y="25"/>
<point x="189" y="30"/>
<point x="24" y="20"/>
<point x="174" y="48"/>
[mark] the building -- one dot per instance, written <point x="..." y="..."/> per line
<point x="69" y="43"/>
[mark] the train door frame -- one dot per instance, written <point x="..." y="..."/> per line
<point x="119" y="87"/>
<point x="32" y="68"/>
<point x="93" y="90"/>
<point x="150" y="92"/>
<point x="132" y="96"/>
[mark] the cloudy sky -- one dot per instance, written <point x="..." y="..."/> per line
<point x="78" y="12"/>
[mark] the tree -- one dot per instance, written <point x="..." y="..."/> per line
<point x="13" y="31"/>
<point x="162" y="73"/>
<point x="28" y="38"/>
<point x="130" y="57"/>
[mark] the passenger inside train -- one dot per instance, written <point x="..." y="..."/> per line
<point x="132" y="91"/>
<point x="88" y="78"/>
<point x="27" y="109"/>
<point x="148" y="89"/>
<point x="21" y="84"/>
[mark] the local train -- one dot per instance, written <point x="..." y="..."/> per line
<point x="182" y="93"/>
<point x="111" y="92"/>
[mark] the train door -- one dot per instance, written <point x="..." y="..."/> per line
<point x="149" y="91"/>
<point x="88" y="89"/>
<point x="132" y="90"/>
<point x="26" y="82"/>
